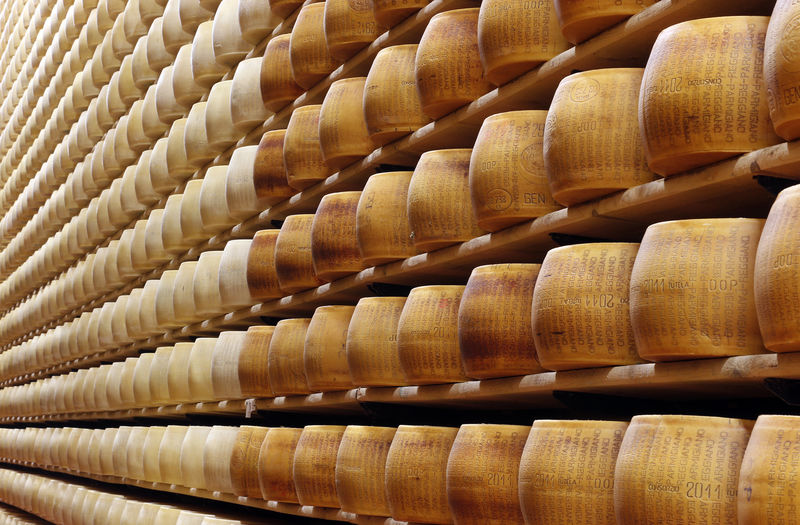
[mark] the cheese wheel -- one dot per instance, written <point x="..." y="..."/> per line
<point x="325" y="349"/>
<point x="416" y="474"/>
<point x="293" y="261"/>
<point x="438" y="200"/>
<point x="217" y="454"/>
<point x="225" y="365"/>
<point x="349" y="25"/>
<point x="244" y="461"/>
<point x="360" y="469"/>
<point x="269" y="173"/>
<point x="592" y="143"/>
<point x="566" y="473"/>
<point x="343" y="133"/>
<point x="302" y="152"/>
<point x="256" y="20"/>
<point x="494" y="321"/>
<point x="692" y="290"/>
<point x="205" y="69"/>
<point x="373" y="357"/>
<point x="507" y="178"/>
<point x="169" y="454"/>
<point x="275" y="464"/>
<point x="392" y="106"/>
<point x="314" y="465"/>
<point x="782" y="69"/>
<point x="580" y="20"/>
<point x="766" y="487"/>
<point x="229" y="45"/>
<point x="200" y="383"/>
<point x="724" y="103"/>
<point x="382" y="227"/>
<point x="310" y="58"/>
<point x="285" y="358"/>
<point x="191" y="457"/>
<point x="427" y="335"/>
<point x="334" y="244"/>
<point x="776" y="276"/>
<point x="680" y="469"/>
<point x="253" y="362"/>
<point x="580" y="310"/>
<point x="514" y="37"/>
<point x="482" y="474"/>
<point x="278" y="87"/>
<point x="448" y="65"/>
<point x="261" y="273"/>
<point x="178" y="373"/>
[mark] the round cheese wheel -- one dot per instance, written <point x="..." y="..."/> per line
<point x="448" y="65"/>
<point x="680" y="469"/>
<point x="507" y="178"/>
<point x="302" y="153"/>
<point x="253" y="362"/>
<point x="244" y="461"/>
<point x="349" y="25"/>
<point x="382" y="227"/>
<point x="334" y="244"/>
<point x="776" y="275"/>
<point x="325" y="349"/>
<point x="782" y="69"/>
<point x="309" y="55"/>
<point x="275" y="463"/>
<point x="582" y="19"/>
<point x="169" y="454"/>
<point x="191" y="457"/>
<point x="217" y="454"/>
<point x="567" y="472"/>
<point x="514" y="37"/>
<point x="372" y="354"/>
<point x="285" y="358"/>
<point x="343" y="133"/>
<point x="261" y="273"/>
<point x="483" y="474"/>
<point x="392" y="106"/>
<point x="269" y="173"/>
<point x="278" y="87"/>
<point x="494" y="321"/>
<point x="719" y="85"/>
<point x="314" y="465"/>
<point x="293" y="262"/>
<point x="438" y="200"/>
<point x="361" y="468"/>
<point x="592" y="144"/>
<point x="692" y="289"/>
<point x="416" y="474"/>
<point x="580" y="310"/>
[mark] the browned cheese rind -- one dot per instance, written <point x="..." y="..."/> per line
<point x="325" y="349"/>
<point x="382" y="227"/>
<point x="315" y="465"/>
<point x="582" y="19"/>
<point x="372" y="353"/>
<point x="360" y="469"/>
<point x="275" y="464"/>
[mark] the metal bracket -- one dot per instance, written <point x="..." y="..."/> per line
<point x="567" y="239"/>
<point x="774" y="185"/>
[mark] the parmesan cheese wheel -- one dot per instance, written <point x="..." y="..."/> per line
<point x="494" y="321"/>
<point x="719" y="85"/>
<point x="253" y="362"/>
<point x="269" y="173"/>
<point x="261" y="273"/>
<point x="776" y="275"/>
<point x="343" y="133"/>
<point x="314" y="465"/>
<point x="205" y="69"/>
<point x="592" y="143"/>
<point x="382" y="227"/>
<point x="580" y="310"/>
<point x="582" y="19"/>
<point x="782" y="69"/>
<point x="360" y="469"/>
<point x="169" y="454"/>
<point x="278" y="87"/>
<point x="191" y="457"/>
<point x="566" y="473"/>
<point x="178" y="373"/>
<point x="256" y="20"/>
<point x="217" y="454"/>
<point x="285" y="359"/>
<point x="448" y="65"/>
<point x="244" y="461"/>
<point x="186" y="90"/>
<point x="507" y="178"/>
<point x="233" y="288"/>
<point x="392" y="106"/>
<point x="302" y="152"/>
<point x="680" y="469"/>
<point x="225" y="365"/>
<point x="183" y="294"/>
<point x="229" y="46"/>
<point x="427" y="335"/>
<point x="195" y="137"/>
<point x="207" y="299"/>
<point x="310" y="58"/>
<point x="293" y="262"/>
<point x="275" y="464"/>
<point x="482" y="474"/>
<point x="438" y="200"/>
<point x="349" y="25"/>
<point x="200" y="383"/>
<point x="766" y="488"/>
<point x="325" y="349"/>
<point x="514" y="37"/>
<point x="334" y="244"/>
<point x="219" y="120"/>
<point x="372" y="353"/>
<point x="692" y="290"/>
<point x="416" y="474"/>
